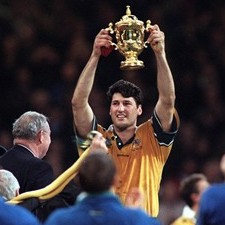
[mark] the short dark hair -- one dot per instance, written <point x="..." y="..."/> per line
<point x="97" y="172"/>
<point x="189" y="186"/>
<point x="126" y="89"/>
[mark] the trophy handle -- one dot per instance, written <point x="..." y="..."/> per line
<point x="147" y="29"/>
<point x="146" y="44"/>
<point x="114" y="44"/>
<point x="111" y="31"/>
<point x="110" y="28"/>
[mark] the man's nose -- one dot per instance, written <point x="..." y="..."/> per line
<point x="121" y="107"/>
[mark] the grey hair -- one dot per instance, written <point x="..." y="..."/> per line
<point x="29" y="124"/>
<point x="9" y="185"/>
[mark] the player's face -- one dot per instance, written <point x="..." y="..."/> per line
<point x="124" y="111"/>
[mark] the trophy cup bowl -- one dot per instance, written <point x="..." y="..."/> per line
<point x="129" y="34"/>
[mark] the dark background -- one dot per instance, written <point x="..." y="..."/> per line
<point x="44" y="45"/>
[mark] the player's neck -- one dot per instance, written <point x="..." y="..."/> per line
<point x="126" y="134"/>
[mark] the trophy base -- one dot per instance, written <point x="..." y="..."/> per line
<point x="131" y="65"/>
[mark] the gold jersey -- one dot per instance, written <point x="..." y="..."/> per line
<point x="140" y="162"/>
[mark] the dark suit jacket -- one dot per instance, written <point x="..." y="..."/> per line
<point x="2" y="150"/>
<point x="32" y="173"/>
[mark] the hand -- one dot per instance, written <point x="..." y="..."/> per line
<point x="103" y="39"/>
<point x="156" y="39"/>
<point x="134" y="198"/>
<point x="98" y="143"/>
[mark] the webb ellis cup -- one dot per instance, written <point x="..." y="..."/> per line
<point x="129" y="33"/>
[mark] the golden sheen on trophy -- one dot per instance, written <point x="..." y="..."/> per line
<point x="129" y="33"/>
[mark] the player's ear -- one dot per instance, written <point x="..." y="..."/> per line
<point x="139" y="110"/>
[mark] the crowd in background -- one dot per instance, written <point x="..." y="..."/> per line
<point x="45" y="44"/>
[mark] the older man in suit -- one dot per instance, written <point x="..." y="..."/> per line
<point x="31" y="133"/>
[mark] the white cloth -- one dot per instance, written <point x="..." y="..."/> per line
<point x="189" y="213"/>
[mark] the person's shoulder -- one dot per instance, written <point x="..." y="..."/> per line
<point x="216" y="186"/>
<point x="35" y="164"/>
<point x="215" y="189"/>
<point x="19" y="152"/>
<point x="38" y="167"/>
<point x="16" y="215"/>
<point x="141" y="217"/>
<point x="145" y="124"/>
<point x="62" y="216"/>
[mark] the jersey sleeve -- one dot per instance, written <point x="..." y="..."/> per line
<point x="165" y="138"/>
<point x="81" y="143"/>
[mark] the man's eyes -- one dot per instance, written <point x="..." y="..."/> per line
<point x="124" y="103"/>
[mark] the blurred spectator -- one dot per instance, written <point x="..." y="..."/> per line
<point x="170" y="203"/>
<point x="16" y="215"/>
<point x="213" y="201"/>
<point x="191" y="189"/>
<point x="9" y="185"/>
<point x="12" y="215"/>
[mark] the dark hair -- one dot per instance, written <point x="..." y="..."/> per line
<point x="96" y="173"/>
<point x="189" y="185"/>
<point x="126" y="89"/>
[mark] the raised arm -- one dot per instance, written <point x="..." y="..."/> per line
<point x="82" y="112"/>
<point x="166" y="101"/>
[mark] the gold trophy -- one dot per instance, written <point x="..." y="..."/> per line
<point x="129" y="33"/>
